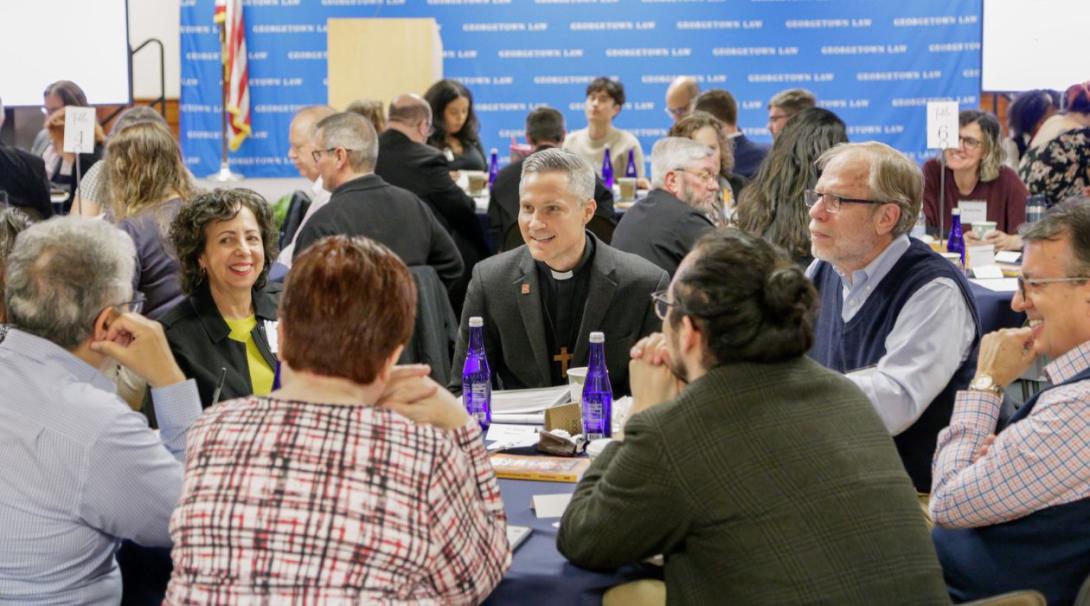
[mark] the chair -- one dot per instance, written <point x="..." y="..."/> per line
<point x="1026" y="597"/>
<point x="436" y="327"/>
<point x="1083" y="599"/>
<point x="297" y="209"/>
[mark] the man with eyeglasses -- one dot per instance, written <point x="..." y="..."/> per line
<point x="680" y="97"/>
<point x="1010" y="502"/>
<point x="407" y="161"/>
<point x="363" y="204"/>
<point x="81" y="470"/>
<point x="895" y="316"/>
<point x="735" y="464"/>
<point x="785" y="105"/>
<point x="301" y="149"/>
<point x="663" y="227"/>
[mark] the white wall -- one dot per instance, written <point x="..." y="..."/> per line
<point x="154" y="19"/>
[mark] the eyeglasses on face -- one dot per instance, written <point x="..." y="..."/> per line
<point x="969" y="142"/>
<point x="317" y="154"/>
<point x="1027" y="284"/>
<point x="703" y="175"/>
<point x="679" y="112"/>
<point x="135" y="304"/>
<point x="832" y="201"/>
<point x="662" y="303"/>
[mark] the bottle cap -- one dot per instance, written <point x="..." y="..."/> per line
<point x="956" y="211"/>
<point x="493" y="151"/>
<point x="597" y="337"/>
<point x="476" y="322"/>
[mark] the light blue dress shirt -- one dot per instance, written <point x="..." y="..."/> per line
<point x="930" y="339"/>
<point x="79" y="471"/>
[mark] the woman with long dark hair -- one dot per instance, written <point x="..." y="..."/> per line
<point x="455" y="125"/>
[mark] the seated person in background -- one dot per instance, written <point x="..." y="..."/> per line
<point x="12" y="222"/>
<point x="1010" y="504"/>
<point x="364" y="205"/>
<point x="1057" y="164"/>
<point x="605" y="99"/>
<point x="704" y="128"/>
<point x="747" y="154"/>
<point x="23" y="179"/>
<point x="975" y="172"/>
<point x="370" y="109"/>
<point x="1025" y="115"/>
<point x="93" y="198"/>
<point x="540" y="302"/>
<point x="81" y="469"/>
<point x="456" y="127"/>
<point x="223" y="333"/>
<point x="761" y="477"/>
<point x="785" y="105"/>
<point x="390" y="461"/>
<point x="680" y="96"/>
<point x="663" y="227"/>
<point x="406" y="161"/>
<point x="301" y="153"/>
<point x="773" y="205"/>
<point x="894" y="315"/>
<point x="61" y="166"/>
<point x="148" y="184"/>
<point x="56" y="96"/>
<point x="544" y="130"/>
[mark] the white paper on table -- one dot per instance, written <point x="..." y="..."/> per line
<point x="988" y="272"/>
<point x="942" y="124"/>
<point x="512" y="436"/>
<point x="79" y="130"/>
<point x="1008" y="256"/>
<point x="520" y="418"/>
<point x="550" y="505"/>
<point x="973" y="211"/>
<point x="981" y="255"/>
<point x="528" y="400"/>
<point x="999" y="285"/>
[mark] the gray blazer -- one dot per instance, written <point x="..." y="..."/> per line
<point x="504" y="291"/>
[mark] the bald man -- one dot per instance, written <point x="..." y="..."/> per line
<point x="300" y="152"/>
<point x="680" y="97"/>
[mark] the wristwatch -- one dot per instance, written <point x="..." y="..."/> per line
<point x="986" y="383"/>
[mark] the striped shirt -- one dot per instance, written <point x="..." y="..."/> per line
<point x="294" y="502"/>
<point x="1039" y="462"/>
<point x="79" y="471"/>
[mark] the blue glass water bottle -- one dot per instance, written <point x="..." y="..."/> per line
<point x="956" y="242"/>
<point x="630" y="166"/>
<point x="493" y="166"/>
<point x="607" y="170"/>
<point x="476" y="376"/>
<point x="597" y="393"/>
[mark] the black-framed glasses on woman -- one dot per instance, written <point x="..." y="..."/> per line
<point x="833" y="201"/>
<point x="662" y="303"/>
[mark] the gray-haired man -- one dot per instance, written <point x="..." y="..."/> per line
<point x="543" y="299"/>
<point x="82" y="470"/>
<point x="663" y="227"/>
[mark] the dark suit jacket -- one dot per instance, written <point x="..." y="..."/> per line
<point x="760" y="484"/>
<point x="661" y="229"/>
<point x="197" y="335"/>
<point x="619" y="304"/>
<point x="424" y="170"/>
<point x="371" y="207"/>
<point x="22" y="176"/>
<point x="748" y="156"/>
<point x="503" y="203"/>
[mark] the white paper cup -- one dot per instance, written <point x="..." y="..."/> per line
<point x="477" y="181"/>
<point x="576" y="378"/>
<point x="982" y="227"/>
<point x="628" y="188"/>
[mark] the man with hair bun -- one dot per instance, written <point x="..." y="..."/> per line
<point x="760" y="476"/>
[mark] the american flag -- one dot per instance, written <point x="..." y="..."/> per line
<point x="229" y="14"/>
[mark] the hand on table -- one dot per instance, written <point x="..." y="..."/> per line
<point x="1003" y="241"/>
<point x="411" y="393"/>
<point x="1005" y="354"/>
<point x="650" y="374"/>
<point x="140" y="345"/>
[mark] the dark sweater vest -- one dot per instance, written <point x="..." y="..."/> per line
<point x="1048" y="550"/>
<point x="861" y="343"/>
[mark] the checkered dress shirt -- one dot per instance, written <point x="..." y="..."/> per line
<point x="299" y="503"/>
<point x="1040" y="462"/>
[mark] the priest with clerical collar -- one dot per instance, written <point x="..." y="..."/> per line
<point x="541" y="301"/>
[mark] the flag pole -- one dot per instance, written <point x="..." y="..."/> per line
<point x="224" y="175"/>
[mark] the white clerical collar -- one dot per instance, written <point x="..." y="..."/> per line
<point x="561" y="275"/>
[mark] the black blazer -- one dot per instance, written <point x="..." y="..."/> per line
<point x="371" y="207"/>
<point x="503" y="204"/>
<point x="22" y="176"/>
<point x="197" y="335"/>
<point x="661" y="229"/>
<point x="748" y="156"/>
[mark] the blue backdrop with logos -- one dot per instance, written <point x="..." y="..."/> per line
<point x="876" y="64"/>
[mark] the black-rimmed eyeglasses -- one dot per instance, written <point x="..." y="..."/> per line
<point x="833" y="201"/>
<point x="1025" y="283"/>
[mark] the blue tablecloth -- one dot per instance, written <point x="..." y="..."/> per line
<point x="994" y="309"/>
<point x="539" y="574"/>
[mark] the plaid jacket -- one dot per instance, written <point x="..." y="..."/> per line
<point x="291" y="502"/>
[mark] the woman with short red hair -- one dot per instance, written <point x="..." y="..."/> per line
<point x="357" y="481"/>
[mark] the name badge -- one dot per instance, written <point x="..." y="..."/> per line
<point x="973" y="211"/>
<point x="272" y="337"/>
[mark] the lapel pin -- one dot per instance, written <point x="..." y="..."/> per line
<point x="525" y="288"/>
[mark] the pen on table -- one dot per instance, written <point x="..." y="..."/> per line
<point x="219" y="386"/>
